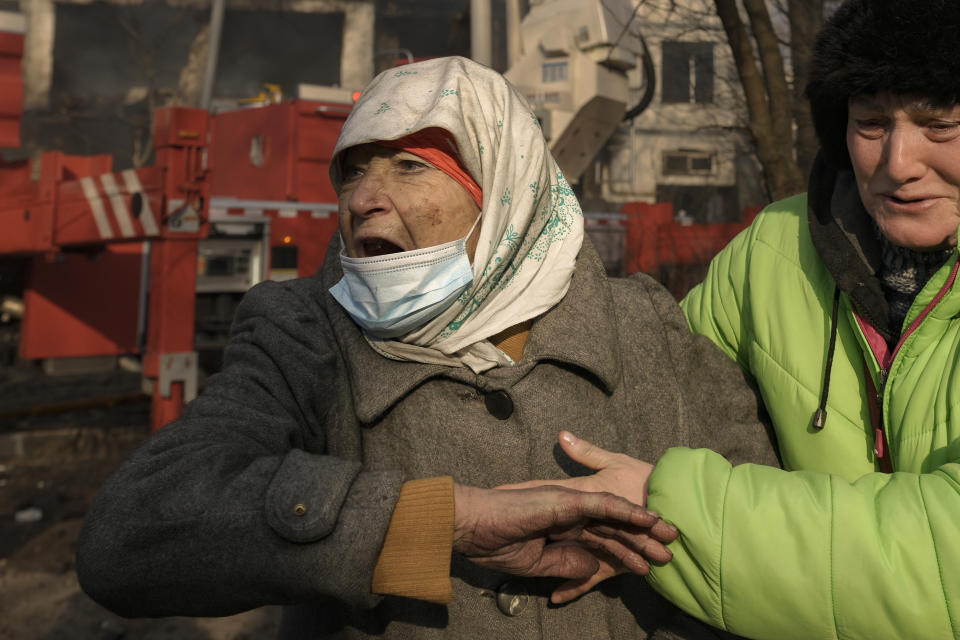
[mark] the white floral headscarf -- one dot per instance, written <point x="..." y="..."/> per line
<point x="531" y="223"/>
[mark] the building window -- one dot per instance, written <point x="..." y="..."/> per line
<point x="687" y="72"/>
<point x="555" y="71"/>
<point x="284" y="257"/>
<point x="687" y="162"/>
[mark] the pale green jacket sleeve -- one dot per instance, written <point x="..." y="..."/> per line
<point x="766" y="553"/>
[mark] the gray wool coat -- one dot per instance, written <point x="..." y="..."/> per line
<point x="200" y="519"/>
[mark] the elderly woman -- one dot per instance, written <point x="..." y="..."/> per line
<point x="843" y="305"/>
<point x="460" y="319"/>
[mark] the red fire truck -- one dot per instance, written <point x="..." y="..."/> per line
<point x="151" y="261"/>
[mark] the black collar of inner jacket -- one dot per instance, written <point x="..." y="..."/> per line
<point x="844" y="237"/>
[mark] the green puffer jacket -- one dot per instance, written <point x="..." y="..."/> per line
<point x="832" y="548"/>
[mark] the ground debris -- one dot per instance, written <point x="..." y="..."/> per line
<point x="51" y="465"/>
<point x="30" y="514"/>
<point x="34" y="400"/>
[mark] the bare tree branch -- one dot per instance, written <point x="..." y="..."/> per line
<point x="767" y="94"/>
<point x="806" y="18"/>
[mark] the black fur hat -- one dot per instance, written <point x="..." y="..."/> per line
<point x="905" y="47"/>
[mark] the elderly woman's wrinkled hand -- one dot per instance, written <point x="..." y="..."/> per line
<point x="559" y="532"/>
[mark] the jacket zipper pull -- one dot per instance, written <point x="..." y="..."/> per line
<point x="878" y="443"/>
<point x="879" y="437"/>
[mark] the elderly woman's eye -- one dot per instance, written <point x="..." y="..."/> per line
<point x="352" y="173"/>
<point x="412" y="165"/>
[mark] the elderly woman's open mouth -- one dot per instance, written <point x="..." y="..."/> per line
<point x="372" y="247"/>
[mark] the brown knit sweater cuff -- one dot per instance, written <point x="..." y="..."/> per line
<point x="415" y="558"/>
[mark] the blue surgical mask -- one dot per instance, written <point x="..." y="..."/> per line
<point x="392" y="295"/>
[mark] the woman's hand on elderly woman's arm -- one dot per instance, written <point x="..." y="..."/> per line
<point x="619" y="474"/>
<point x="557" y="531"/>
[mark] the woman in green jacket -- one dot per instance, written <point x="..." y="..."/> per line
<point x="842" y="305"/>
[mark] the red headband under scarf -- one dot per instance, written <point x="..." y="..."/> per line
<point x="438" y="147"/>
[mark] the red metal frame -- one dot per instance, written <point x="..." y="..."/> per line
<point x="180" y="140"/>
<point x="87" y="226"/>
<point x="655" y="241"/>
<point x="274" y="161"/>
<point x="279" y="152"/>
<point x="67" y="317"/>
<point x="11" y="81"/>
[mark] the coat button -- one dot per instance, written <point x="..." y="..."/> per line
<point x="499" y="404"/>
<point x="512" y="598"/>
<point x="300" y="510"/>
